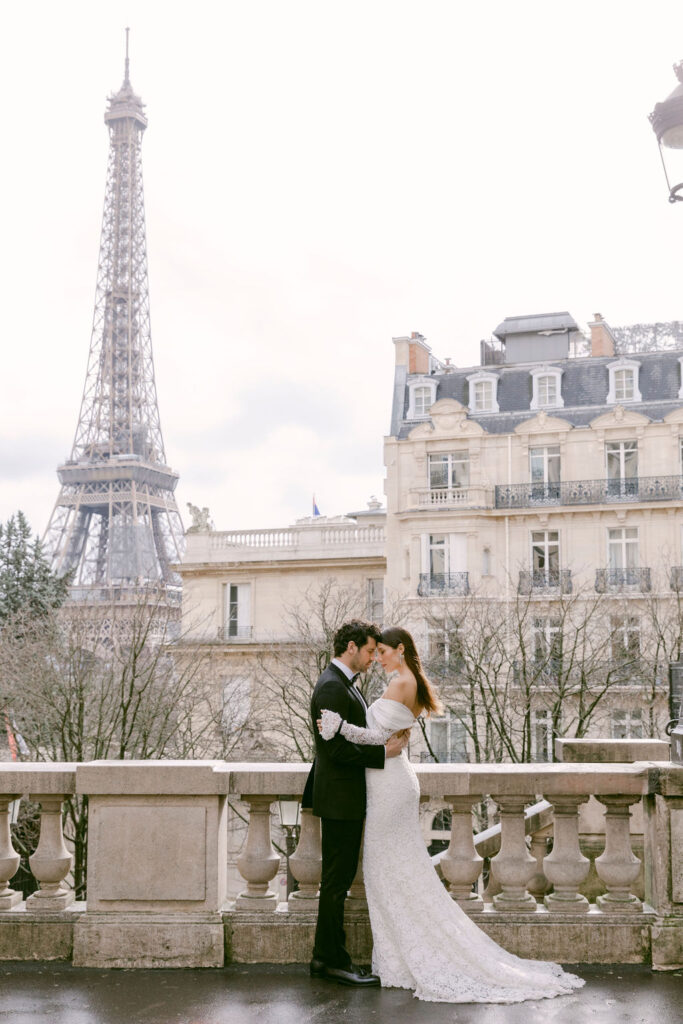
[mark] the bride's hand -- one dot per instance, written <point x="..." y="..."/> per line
<point x="319" y="723"/>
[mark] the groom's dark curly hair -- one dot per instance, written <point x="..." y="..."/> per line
<point x="357" y="631"/>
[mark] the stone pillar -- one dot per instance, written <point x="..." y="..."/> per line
<point x="51" y="862"/>
<point x="306" y="864"/>
<point x="664" y="866"/>
<point x="258" y="863"/>
<point x="461" y="865"/>
<point x="566" y="867"/>
<point x="618" y="867"/>
<point x="513" y="865"/>
<point x="157" y="864"/>
<point x="9" y="858"/>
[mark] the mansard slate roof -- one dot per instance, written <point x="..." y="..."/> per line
<point x="584" y="388"/>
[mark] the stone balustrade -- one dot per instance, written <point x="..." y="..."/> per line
<point x="158" y="863"/>
<point x="294" y="541"/>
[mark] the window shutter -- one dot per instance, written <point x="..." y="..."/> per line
<point x="457" y="552"/>
<point x="244" y="609"/>
<point x="424" y="556"/>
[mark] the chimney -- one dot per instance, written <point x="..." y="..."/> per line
<point x="413" y="352"/>
<point x="602" y="340"/>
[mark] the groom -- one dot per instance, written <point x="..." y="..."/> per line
<point x="335" y="789"/>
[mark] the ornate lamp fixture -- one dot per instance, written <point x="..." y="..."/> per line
<point x="290" y="819"/>
<point x="667" y="123"/>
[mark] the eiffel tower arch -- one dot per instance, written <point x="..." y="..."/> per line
<point x="115" y="524"/>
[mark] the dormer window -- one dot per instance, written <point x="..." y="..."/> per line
<point x="483" y="392"/>
<point x="422" y="401"/>
<point x="623" y="385"/>
<point x="546" y="388"/>
<point x="623" y="382"/>
<point x="421" y="397"/>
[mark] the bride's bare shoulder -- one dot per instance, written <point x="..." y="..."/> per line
<point x="402" y="688"/>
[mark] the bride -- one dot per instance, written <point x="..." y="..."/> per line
<point x="422" y="939"/>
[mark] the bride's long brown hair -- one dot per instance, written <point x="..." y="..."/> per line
<point x="426" y="694"/>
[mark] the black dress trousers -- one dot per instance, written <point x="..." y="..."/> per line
<point x="340" y="851"/>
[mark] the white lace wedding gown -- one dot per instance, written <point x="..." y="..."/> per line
<point x="422" y="940"/>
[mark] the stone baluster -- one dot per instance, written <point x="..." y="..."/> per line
<point x="306" y="864"/>
<point x="513" y="865"/>
<point x="461" y="865"/>
<point x="566" y="867"/>
<point x="9" y="858"/>
<point x="258" y="863"/>
<point x="357" y="900"/>
<point x="618" y="867"/>
<point x="52" y="861"/>
<point x="492" y="886"/>
<point x="538" y="885"/>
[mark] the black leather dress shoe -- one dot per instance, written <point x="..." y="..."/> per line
<point x="352" y="976"/>
<point x="317" y="968"/>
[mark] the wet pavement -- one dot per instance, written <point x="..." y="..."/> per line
<point x="49" y="993"/>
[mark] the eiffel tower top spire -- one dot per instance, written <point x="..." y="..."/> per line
<point x="116" y="524"/>
<point x="125" y="103"/>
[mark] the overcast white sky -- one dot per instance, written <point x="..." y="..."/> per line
<point x="319" y="177"/>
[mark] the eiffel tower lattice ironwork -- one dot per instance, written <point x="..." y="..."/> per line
<point x="116" y="524"/>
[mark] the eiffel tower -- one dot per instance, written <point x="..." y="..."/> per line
<point x="116" y="524"/>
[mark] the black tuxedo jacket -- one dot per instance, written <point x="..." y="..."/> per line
<point x="335" y="787"/>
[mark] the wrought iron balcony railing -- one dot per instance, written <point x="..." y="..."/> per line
<point x="544" y="580"/>
<point x="435" y="583"/>
<point x="590" y="492"/>
<point x="243" y="636"/>
<point x="676" y="578"/>
<point x="623" y="580"/>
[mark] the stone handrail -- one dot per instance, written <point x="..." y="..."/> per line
<point x="158" y="842"/>
<point x="298" y="537"/>
<point x="452" y="497"/>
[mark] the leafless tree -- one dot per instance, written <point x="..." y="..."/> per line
<point x="556" y="665"/>
<point x="290" y="668"/>
<point x="81" y="687"/>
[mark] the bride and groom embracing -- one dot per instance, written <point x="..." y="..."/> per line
<point x="422" y="940"/>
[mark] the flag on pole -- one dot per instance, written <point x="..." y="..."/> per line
<point x="316" y="510"/>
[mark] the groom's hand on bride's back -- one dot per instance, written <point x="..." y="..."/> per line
<point x="396" y="743"/>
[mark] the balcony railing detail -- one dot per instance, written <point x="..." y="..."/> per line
<point x="445" y="496"/>
<point x="623" y="580"/>
<point x="244" y="635"/>
<point x="467" y="496"/>
<point x="544" y="580"/>
<point x="676" y="578"/>
<point x="295" y="537"/>
<point x="590" y="492"/>
<point x="436" y="583"/>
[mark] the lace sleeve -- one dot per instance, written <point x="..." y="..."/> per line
<point x="334" y="723"/>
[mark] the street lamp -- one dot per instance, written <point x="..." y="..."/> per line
<point x="667" y="124"/>
<point x="675" y="727"/>
<point x="290" y="815"/>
